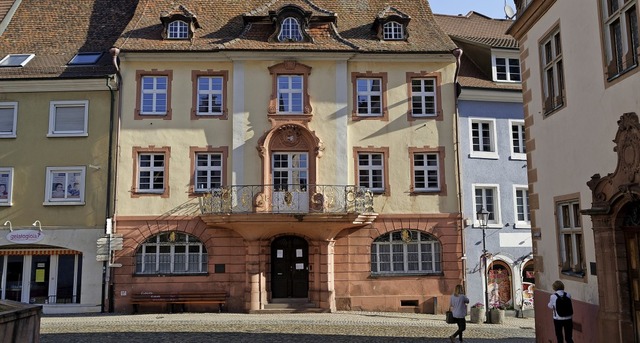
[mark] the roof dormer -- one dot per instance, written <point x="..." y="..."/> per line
<point x="391" y="25"/>
<point x="179" y="24"/>
<point x="291" y="24"/>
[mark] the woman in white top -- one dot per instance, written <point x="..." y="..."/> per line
<point x="458" y="306"/>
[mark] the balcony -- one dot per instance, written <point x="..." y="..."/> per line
<point x="287" y="199"/>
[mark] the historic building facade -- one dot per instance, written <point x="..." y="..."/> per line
<point x="288" y="152"/>
<point x="580" y="71"/>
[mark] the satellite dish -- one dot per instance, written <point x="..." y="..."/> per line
<point x="509" y="12"/>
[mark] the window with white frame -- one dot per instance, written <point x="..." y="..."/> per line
<point x="506" y="69"/>
<point x="487" y="197"/>
<point x="552" y="72"/>
<point x="210" y="95"/>
<point x="68" y="118"/>
<point x="151" y="173"/>
<point x="290" y="30"/>
<point x="570" y="240"/>
<point x="178" y="29"/>
<point x="518" y="149"/>
<point x="171" y="253"/>
<point x="426" y="172"/>
<point x="369" y="97"/>
<point x="483" y="138"/>
<point x="8" y="119"/>
<point x="393" y="31"/>
<point x="16" y="60"/>
<point x="406" y="252"/>
<point x="371" y="171"/>
<point x="208" y="171"/>
<point x="154" y="95"/>
<point x="523" y="214"/>
<point x="620" y="25"/>
<point x="290" y="93"/>
<point x="65" y="185"/>
<point x="423" y="97"/>
<point x="6" y="186"/>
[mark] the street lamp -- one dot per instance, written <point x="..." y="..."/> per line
<point x="483" y="218"/>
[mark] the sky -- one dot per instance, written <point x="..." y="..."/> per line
<point x="490" y="8"/>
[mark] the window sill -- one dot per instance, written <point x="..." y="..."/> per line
<point x="169" y="275"/>
<point x="9" y="136"/>
<point x="63" y="203"/>
<point x="62" y="135"/>
<point x="571" y="273"/>
<point x="6" y="204"/>
<point x="519" y="157"/>
<point x="481" y="155"/>
<point x="385" y="275"/>
<point x="621" y="73"/>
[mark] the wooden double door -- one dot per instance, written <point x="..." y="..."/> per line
<point x="289" y="267"/>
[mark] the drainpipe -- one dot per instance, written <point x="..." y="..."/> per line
<point x="457" y="53"/>
<point x="107" y="289"/>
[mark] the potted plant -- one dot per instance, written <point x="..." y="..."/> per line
<point x="497" y="314"/>
<point x="477" y="313"/>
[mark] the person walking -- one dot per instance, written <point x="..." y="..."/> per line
<point x="560" y="303"/>
<point x="458" y="306"/>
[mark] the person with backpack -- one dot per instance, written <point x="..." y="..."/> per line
<point x="560" y="303"/>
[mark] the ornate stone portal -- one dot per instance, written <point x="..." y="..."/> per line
<point x="616" y="225"/>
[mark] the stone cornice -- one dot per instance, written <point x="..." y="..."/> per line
<point x="529" y="17"/>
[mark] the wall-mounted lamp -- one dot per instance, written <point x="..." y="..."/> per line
<point x="37" y="222"/>
<point x="10" y="227"/>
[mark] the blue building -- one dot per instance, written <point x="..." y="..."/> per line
<point x="492" y="160"/>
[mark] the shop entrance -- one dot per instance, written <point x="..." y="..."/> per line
<point x="289" y="267"/>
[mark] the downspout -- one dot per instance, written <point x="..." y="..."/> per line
<point x="107" y="288"/>
<point x="457" y="53"/>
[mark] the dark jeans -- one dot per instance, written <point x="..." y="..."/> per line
<point x="462" y="325"/>
<point x="567" y="326"/>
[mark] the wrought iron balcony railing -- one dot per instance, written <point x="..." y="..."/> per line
<point x="287" y="198"/>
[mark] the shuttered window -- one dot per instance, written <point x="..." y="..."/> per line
<point x="68" y="118"/>
<point x="8" y="118"/>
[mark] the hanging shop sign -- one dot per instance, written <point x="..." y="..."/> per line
<point x="25" y="236"/>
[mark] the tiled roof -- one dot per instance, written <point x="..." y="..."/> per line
<point x="223" y="27"/>
<point x="477" y="28"/>
<point x="55" y="30"/>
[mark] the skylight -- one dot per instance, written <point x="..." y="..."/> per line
<point x="16" y="60"/>
<point x="86" y="58"/>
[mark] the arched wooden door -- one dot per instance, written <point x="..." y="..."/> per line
<point x="289" y="267"/>
<point x="499" y="284"/>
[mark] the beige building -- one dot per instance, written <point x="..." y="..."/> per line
<point x="580" y="65"/>
<point x="57" y="103"/>
<point x="288" y="152"/>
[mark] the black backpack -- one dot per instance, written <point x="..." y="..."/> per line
<point x="564" y="308"/>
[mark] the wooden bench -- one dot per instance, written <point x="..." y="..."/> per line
<point x="182" y="298"/>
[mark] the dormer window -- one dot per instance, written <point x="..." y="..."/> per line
<point x="391" y="24"/>
<point x="179" y="24"/>
<point x="393" y="31"/>
<point x="505" y="66"/>
<point x="177" y="30"/>
<point x="290" y="31"/>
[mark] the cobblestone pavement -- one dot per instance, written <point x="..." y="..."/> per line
<point x="358" y="327"/>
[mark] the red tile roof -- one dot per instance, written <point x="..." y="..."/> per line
<point x="55" y="30"/>
<point x="223" y="27"/>
<point x="478" y="28"/>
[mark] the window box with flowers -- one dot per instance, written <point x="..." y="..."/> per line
<point x="477" y="313"/>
